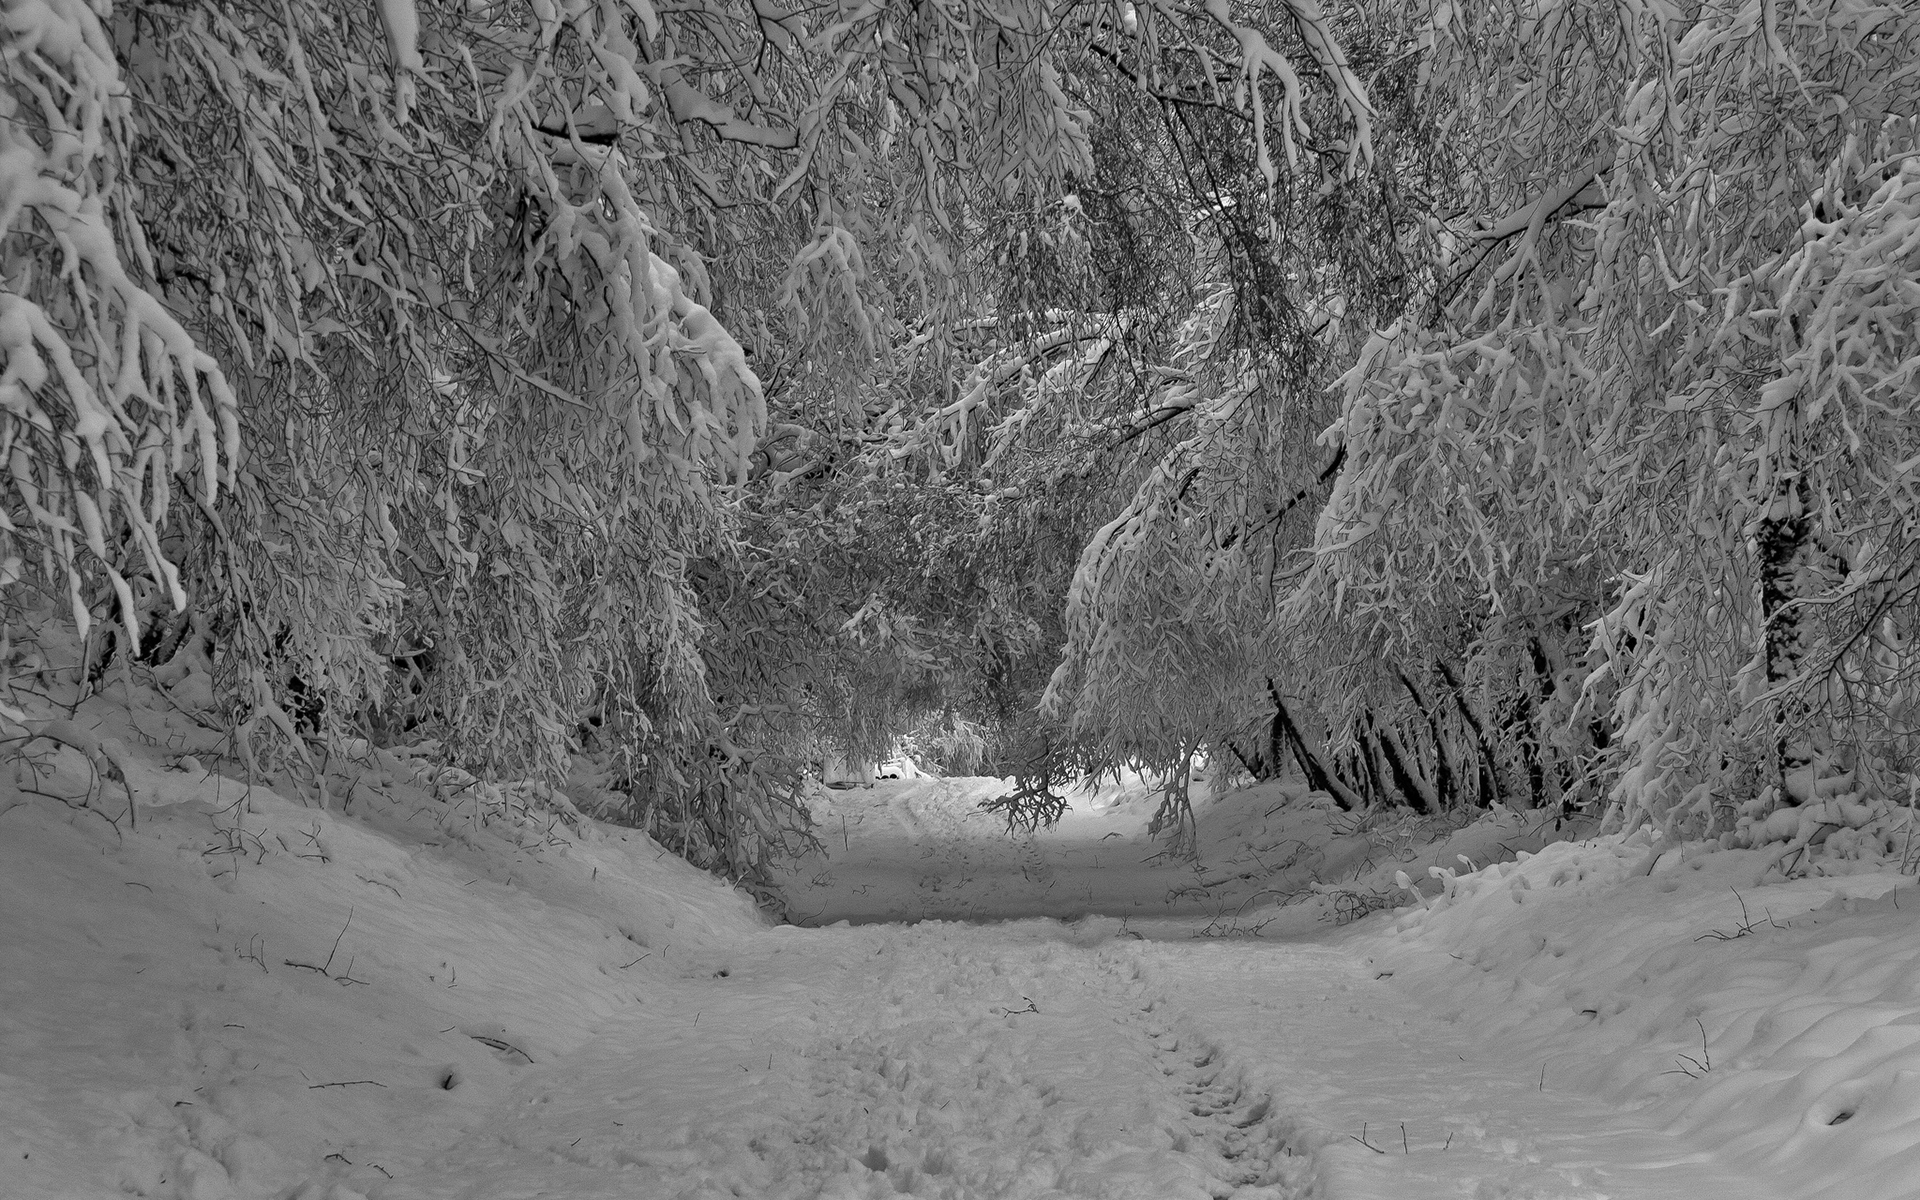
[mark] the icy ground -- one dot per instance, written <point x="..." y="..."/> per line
<point x="416" y="985"/>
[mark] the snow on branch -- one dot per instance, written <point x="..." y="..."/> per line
<point x="104" y="398"/>
<point x="1259" y="58"/>
<point x="690" y="105"/>
<point x="1580" y="191"/>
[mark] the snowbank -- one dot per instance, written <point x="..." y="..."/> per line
<point x="1779" y="1019"/>
<point x="246" y="989"/>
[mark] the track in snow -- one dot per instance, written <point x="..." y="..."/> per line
<point x="954" y="1087"/>
<point x="1026" y="1062"/>
<point x="1229" y="1121"/>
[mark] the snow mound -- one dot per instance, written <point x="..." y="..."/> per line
<point x="213" y="987"/>
<point x="1777" y="1018"/>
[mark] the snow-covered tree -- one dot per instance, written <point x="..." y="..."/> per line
<point x="407" y="361"/>
<point x="1654" y="398"/>
<point x="1601" y="435"/>
<point x="1463" y="401"/>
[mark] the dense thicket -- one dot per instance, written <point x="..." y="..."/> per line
<point x="1621" y="508"/>
<point x="1561" y="457"/>
<point x="1461" y="401"/>
<point x="1634" y="459"/>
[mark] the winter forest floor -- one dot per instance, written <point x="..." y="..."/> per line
<point x="415" y="985"/>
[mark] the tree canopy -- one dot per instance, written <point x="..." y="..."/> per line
<point x="1469" y="402"/>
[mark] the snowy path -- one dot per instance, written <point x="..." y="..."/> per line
<point x="921" y="849"/>
<point x="1034" y="1061"/>
<point x="514" y="1014"/>
<point x="936" y="1061"/>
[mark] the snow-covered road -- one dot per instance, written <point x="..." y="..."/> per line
<point x="939" y="1060"/>
<point x="1033" y="1061"/>
<point x="252" y="997"/>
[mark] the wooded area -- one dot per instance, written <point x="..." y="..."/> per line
<point x="1458" y="402"/>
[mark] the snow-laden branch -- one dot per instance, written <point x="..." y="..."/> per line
<point x="1258" y="58"/>
<point x="689" y="105"/>
<point x="105" y="398"/>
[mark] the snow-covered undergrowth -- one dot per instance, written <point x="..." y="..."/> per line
<point x="1777" y="1020"/>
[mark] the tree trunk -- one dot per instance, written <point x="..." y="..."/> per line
<point x="1533" y="745"/>
<point x="1781" y="545"/>
<point x="1320" y="776"/>
<point x="1443" y="774"/>
<point x="1412" y="785"/>
<point x="1487" y="775"/>
<point x="1277" y="733"/>
<point x="1259" y="769"/>
<point x="1370" y="758"/>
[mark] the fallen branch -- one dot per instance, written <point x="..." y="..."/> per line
<point x="506" y="1047"/>
<point x="326" y="968"/>
<point x="1747" y="923"/>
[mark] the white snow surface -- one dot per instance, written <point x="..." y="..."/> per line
<point x="419" y="986"/>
